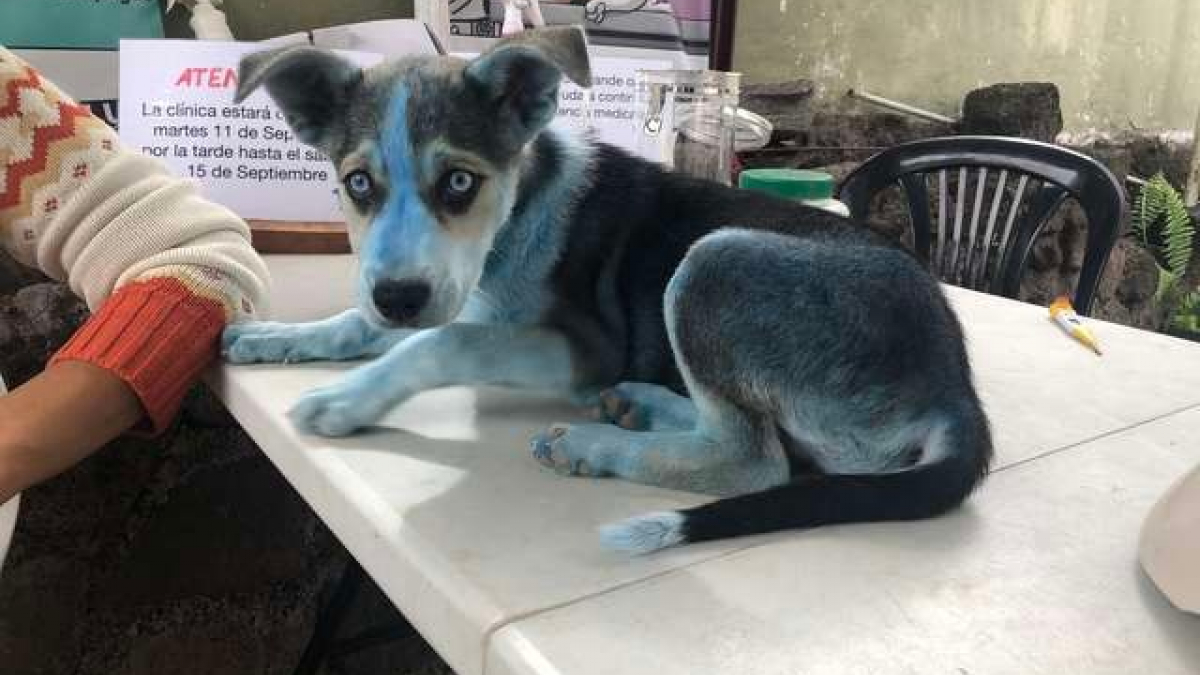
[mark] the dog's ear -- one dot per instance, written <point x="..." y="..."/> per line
<point x="521" y="74"/>
<point x="310" y="85"/>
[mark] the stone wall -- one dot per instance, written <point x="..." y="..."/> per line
<point x="1117" y="62"/>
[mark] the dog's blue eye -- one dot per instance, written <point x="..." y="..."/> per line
<point x="457" y="188"/>
<point x="360" y="185"/>
<point x="461" y="182"/>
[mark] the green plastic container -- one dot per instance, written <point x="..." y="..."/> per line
<point x="814" y="188"/>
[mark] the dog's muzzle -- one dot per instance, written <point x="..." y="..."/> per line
<point x="401" y="301"/>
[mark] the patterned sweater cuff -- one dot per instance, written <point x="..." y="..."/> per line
<point x="155" y="335"/>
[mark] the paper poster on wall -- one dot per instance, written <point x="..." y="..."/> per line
<point x="176" y="104"/>
<point x="624" y="36"/>
<point x="608" y="109"/>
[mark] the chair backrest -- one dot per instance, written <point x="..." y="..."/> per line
<point x="993" y="195"/>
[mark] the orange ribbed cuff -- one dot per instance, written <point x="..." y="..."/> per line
<point x="156" y="336"/>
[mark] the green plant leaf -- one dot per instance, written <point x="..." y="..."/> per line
<point x="1150" y="205"/>
<point x="1187" y="312"/>
<point x="1162" y="223"/>
<point x="1166" y="284"/>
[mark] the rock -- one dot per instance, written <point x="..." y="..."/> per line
<point x="861" y="126"/>
<point x="839" y="171"/>
<point x="837" y="133"/>
<point x="786" y="104"/>
<point x="35" y="321"/>
<point x="1137" y="276"/>
<point x="1025" y="109"/>
<point x="13" y="275"/>
<point x="786" y="94"/>
<point x="1138" y="153"/>
<point x="1126" y="293"/>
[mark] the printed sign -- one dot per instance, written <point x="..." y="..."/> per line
<point x="176" y="104"/>
<point x="611" y="104"/>
<point x="609" y="107"/>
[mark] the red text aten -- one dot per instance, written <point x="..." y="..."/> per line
<point x="214" y="78"/>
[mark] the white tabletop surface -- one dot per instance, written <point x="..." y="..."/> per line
<point x="496" y="562"/>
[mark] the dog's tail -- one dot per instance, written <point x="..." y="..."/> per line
<point x="955" y="459"/>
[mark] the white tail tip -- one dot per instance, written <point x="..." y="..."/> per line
<point x="644" y="534"/>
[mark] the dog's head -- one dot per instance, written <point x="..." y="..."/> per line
<point x="428" y="151"/>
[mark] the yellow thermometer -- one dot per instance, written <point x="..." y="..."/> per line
<point x="1064" y="315"/>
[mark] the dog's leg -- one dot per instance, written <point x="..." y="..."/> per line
<point x="345" y="336"/>
<point x="729" y="452"/>
<point x="455" y="354"/>
<point x="640" y="406"/>
<point x="734" y="444"/>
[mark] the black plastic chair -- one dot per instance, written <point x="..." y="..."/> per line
<point x="984" y="242"/>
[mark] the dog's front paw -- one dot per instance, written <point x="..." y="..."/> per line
<point x="337" y="410"/>
<point x="263" y="342"/>
<point x="573" y="449"/>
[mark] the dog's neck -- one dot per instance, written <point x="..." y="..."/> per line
<point x="554" y="174"/>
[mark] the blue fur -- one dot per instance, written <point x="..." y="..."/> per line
<point x="644" y="534"/>
<point x="345" y="336"/>
<point x="720" y="462"/>
<point x="403" y="223"/>
<point x="642" y="406"/>
<point x="345" y="406"/>
<point x="454" y="354"/>
<point x="515" y="277"/>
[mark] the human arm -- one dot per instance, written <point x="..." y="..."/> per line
<point x="36" y="442"/>
<point x="162" y="269"/>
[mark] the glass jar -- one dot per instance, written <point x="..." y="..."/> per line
<point x="687" y="120"/>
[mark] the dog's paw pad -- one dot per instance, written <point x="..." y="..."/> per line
<point x="551" y="449"/>
<point x="619" y="408"/>
<point x="613" y="404"/>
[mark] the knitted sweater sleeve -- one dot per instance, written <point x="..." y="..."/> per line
<point x="162" y="269"/>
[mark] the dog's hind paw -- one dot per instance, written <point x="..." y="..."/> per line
<point x="638" y="406"/>
<point x="563" y="448"/>
<point x="616" y="408"/>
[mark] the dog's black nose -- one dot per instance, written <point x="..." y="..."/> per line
<point x="400" y="301"/>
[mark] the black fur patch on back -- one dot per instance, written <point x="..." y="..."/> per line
<point x="626" y="240"/>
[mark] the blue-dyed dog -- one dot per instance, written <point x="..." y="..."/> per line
<point x="740" y="345"/>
